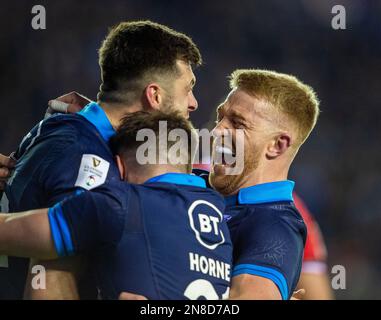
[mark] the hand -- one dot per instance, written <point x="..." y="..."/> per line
<point x="68" y="103"/>
<point x="6" y="166"/>
<point x="298" y="295"/>
<point x="131" y="296"/>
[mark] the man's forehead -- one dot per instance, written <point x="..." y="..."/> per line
<point x="186" y="70"/>
<point x="237" y="100"/>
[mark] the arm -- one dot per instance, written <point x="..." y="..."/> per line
<point x="27" y="234"/>
<point x="56" y="177"/>
<point x="249" y="287"/>
<point x="89" y="221"/>
<point x="61" y="279"/>
<point x="131" y="296"/>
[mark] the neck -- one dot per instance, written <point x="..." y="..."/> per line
<point x="266" y="174"/>
<point x="116" y="111"/>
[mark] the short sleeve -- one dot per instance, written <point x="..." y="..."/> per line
<point x="39" y="176"/>
<point x="80" y="163"/>
<point x="270" y="246"/>
<point x="86" y="221"/>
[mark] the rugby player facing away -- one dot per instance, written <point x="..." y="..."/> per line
<point x="163" y="237"/>
<point x="144" y="66"/>
<point x="276" y="113"/>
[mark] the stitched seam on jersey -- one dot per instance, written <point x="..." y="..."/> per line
<point x="35" y="137"/>
<point x="38" y="169"/>
<point x="157" y="287"/>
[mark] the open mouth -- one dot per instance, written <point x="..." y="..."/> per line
<point x="224" y="155"/>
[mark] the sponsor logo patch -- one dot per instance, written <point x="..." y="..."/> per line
<point x="205" y="220"/>
<point x="92" y="172"/>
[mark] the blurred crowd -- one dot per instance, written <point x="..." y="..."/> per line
<point x="337" y="172"/>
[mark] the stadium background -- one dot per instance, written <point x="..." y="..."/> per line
<point x="338" y="170"/>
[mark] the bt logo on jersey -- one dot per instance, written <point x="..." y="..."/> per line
<point x="208" y="223"/>
<point x="205" y="219"/>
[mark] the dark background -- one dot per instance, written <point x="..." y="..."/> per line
<point x="336" y="172"/>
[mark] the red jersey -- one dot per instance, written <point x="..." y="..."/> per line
<point x="315" y="252"/>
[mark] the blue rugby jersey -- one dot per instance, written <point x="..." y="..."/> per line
<point x="60" y="155"/>
<point x="268" y="234"/>
<point x="169" y="241"/>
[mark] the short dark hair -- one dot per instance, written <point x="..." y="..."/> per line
<point x="135" y="50"/>
<point x="124" y="143"/>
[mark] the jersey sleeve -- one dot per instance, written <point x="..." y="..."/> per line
<point x="270" y="247"/>
<point x="86" y="221"/>
<point x="56" y="160"/>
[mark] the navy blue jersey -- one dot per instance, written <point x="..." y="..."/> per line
<point x="60" y="155"/>
<point x="169" y="241"/>
<point x="268" y="234"/>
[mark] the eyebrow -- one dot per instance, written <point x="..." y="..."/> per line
<point x="231" y="113"/>
<point x="237" y="115"/>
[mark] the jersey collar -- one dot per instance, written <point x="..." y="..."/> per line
<point x="263" y="193"/>
<point x="95" y="114"/>
<point x="179" y="178"/>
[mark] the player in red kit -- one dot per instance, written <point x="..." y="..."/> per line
<point x="314" y="277"/>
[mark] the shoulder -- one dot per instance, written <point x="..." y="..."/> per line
<point x="183" y="191"/>
<point x="282" y="218"/>
<point x="73" y="124"/>
<point x="276" y="212"/>
<point x="58" y="128"/>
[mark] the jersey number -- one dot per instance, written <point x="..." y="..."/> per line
<point x="203" y="288"/>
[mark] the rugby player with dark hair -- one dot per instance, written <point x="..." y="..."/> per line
<point x="132" y="235"/>
<point x="144" y="66"/>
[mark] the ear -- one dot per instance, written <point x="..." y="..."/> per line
<point x="279" y="145"/>
<point x="153" y="95"/>
<point x="121" y="167"/>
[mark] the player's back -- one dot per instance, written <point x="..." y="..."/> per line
<point x="174" y="245"/>
<point x="56" y="158"/>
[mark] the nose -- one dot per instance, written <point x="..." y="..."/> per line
<point x="218" y="130"/>
<point x="223" y="123"/>
<point x="192" y="102"/>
